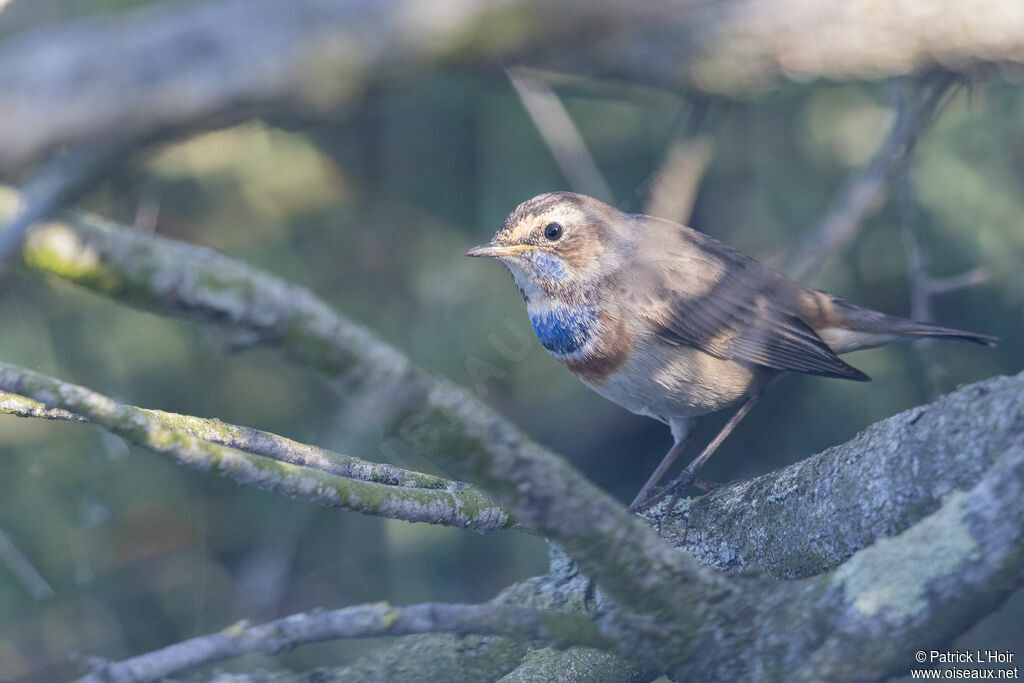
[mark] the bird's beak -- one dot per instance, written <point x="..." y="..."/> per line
<point x="492" y="250"/>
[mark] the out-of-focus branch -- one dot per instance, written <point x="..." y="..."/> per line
<point x="174" y="436"/>
<point x="671" y="190"/>
<point x="12" y="404"/>
<point x="48" y="190"/>
<point x="22" y="569"/>
<point x="175" y="67"/>
<point x="366" y="621"/>
<point x="864" y="190"/>
<point x="674" y="186"/>
<point x="561" y="135"/>
<point x="923" y="287"/>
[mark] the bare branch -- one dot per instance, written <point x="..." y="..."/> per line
<point x="561" y="135"/>
<point x="975" y="277"/>
<point x="676" y="182"/>
<point x="19" y="565"/>
<point x="174" y="436"/>
<point x="923" y="287"/>
<point x="175" y="67"/>
<point x="864" y="190"/>
<point x="365" y="621"/>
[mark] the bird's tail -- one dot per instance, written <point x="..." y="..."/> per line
<point x="851" y="328"/>
<point x="913" y="328"/>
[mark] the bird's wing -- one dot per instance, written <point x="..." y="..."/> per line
<point x="716" y="299"/>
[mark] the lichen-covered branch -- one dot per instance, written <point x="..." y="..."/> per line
<point x="812" y="516"/>
<point x="183" y="440"/>
<point x="365" y="621"/>
<point x="574" y="665"/>
<point x="174" y="67"/>
<point x="258" y="442"/>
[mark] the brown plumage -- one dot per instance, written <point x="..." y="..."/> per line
<point x="669" y="322"/>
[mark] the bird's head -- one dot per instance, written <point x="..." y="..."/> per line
<point x="560" y="242"/>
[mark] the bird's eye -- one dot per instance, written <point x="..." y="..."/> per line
<point x="553" y="231"/>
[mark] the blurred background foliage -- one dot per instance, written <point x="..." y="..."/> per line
<point x="372" y="211"/>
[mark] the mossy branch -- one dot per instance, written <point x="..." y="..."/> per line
<point x="286" y="467"/>
<point x="811" y="516"/>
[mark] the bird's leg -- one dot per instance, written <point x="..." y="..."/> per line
<point x="682" y="434"/>
<point x="687" y="476"/>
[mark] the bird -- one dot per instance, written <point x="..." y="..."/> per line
<point x="670" y="323"/>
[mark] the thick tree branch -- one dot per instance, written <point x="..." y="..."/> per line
<point x="174" y="67"/>
<point x="182" y="439"/>
<point x="574" y="665"/>
<point x="813" y="515"/>
<point x="961" y="560"/>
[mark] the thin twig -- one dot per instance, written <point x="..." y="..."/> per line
<point x="561" y="135"/>
<point x="257" y="442"/>
<point x="864" y="190"/>
<point x="923" y="287"/>
<point x="19" y="565"/>
<point x="917" y="278"/>
<point x="364" y="621"/>
<point x="165" y="434"/>
<point x="676" y="182"/>
<point x="671" y="190"/>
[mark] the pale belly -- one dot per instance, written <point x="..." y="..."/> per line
<point x="666" y="382"/>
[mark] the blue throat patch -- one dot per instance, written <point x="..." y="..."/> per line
<point x="565" y="330"/>
<point x="548" y="265"/>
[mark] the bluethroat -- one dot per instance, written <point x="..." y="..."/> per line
<point x="670" y="323"/>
